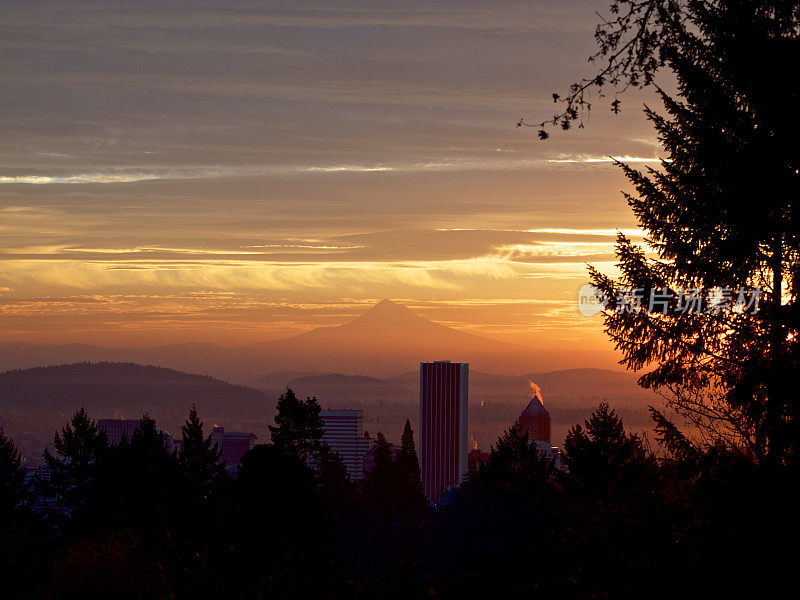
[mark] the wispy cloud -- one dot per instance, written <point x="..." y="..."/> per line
<point x="309" y="246"/>
<point x="605" y="159"/>
<point x="598" y="232"/>
<point x="122" y="175"/>
<point x="545" y="250"/>
<point x="292" y="153"/>
<point x="81" y="178"/>
<point x="440" y="164"/>
<point x="345" y="169"/>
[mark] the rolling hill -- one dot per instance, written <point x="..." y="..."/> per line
<point x="566" y="388"/>
<point x="38" y="401"/>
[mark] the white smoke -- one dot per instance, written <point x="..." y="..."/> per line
<point x="537" y="391"/>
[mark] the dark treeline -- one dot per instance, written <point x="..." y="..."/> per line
<point x="134" y="521"/>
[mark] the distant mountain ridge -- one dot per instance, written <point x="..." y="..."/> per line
<point x="129" y="373"/>
<point x="385" y="340"/>
<point x="566" y="388"/>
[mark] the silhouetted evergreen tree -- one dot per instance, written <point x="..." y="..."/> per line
<point x="298" y="427"/>
<point x="514" y="467"/>
<point x="14" y="490"/>
<point x="603" y="456"/>
<point x="616" y="500"/>
<point x="497" y="533"/>
<point x="379" y="483"/>
<point x="408" y="480"/>
<point x="389" y="530"/>
<point x="139" y="484"/>
<point x="141" y="509"/>
<point x="382" y="466"/>
<point x="339" y="495"/>
<point x="78" y="446"/>
<point x="721" y="215"/>
<point x="125" y="517"/>
<point x="330" y="469"/>
<point x="21" y="534"/>
<point x="199" y="456"/>
<point x="278" y="526"/>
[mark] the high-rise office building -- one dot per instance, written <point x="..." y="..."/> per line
<point x="443" y="392"/>
<point x="344" y="433"/>
<point x="535" y="421"/>
<point x="116" y="429"/>
<point x="232" y="445"/>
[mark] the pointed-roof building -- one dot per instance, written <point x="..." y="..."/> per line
<point x="535" y="421"/>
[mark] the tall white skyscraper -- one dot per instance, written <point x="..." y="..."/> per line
<point x="344" y="433"/>
<point x="443" y="393"/>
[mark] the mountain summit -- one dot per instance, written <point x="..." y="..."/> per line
<point x="389" y="337"/>
<point x="387" y="306"/>
<point x="395" y="322"/>
<point x="387" y="311"/>
<point x="389" y="327"/>
<point x="385" y="340"/>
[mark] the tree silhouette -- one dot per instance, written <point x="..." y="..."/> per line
<point x="298" y="427"/>
<point x="720" y="216"/>
<point x="199" y="457"/>
<point x="615" y="499"/>
<point x="136" y="512"/>
<point x="408" y="480"/>
<point x="603" y="455"/>
<point x="330" y="468"/>
<point x="504" y="513"/>
<point x="79" y="445"/>
<point x="277" y="523"/>
<point x="379" y="484"/>
<point x="21" y="533"/>
<point x="633" y="39"/>
<point x="140" y="484"/>
<point x="514" y="466"/>
<point x="14" y="490"/>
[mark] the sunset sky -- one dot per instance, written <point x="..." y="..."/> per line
<point x="245" y="171"/>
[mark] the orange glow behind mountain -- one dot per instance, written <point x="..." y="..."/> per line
<point x="386" y="340"/>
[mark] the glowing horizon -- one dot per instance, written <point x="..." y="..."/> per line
<point x="286" y="169"/>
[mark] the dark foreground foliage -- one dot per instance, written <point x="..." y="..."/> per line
<point x="134" y="521"/>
